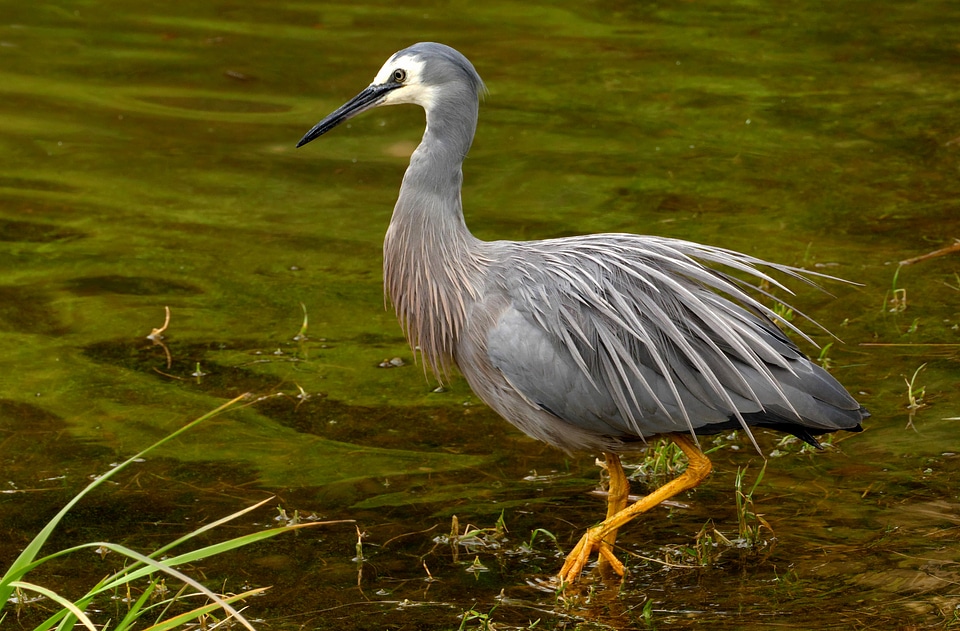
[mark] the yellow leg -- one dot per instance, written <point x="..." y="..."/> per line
<point x="618" y="491"/>
<point x="596" y="538"/>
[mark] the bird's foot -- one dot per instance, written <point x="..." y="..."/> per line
<point x="580" y="555"/>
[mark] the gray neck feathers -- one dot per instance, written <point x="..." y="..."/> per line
<point x="429" y="256"/>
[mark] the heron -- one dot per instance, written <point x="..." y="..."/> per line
<point x="594" y="343"/>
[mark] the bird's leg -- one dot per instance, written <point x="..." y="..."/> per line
<point x="698" y="467"/>
<point x="618" y="490"/>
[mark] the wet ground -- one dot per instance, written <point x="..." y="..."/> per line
<point x="147" y="162"/>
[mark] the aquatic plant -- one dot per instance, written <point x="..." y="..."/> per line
<point x="749" y="522"/>
<point x="662" y="461"/>
<point x="915" y="393"/>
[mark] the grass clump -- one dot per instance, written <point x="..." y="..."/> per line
<point x="155" y="605"/>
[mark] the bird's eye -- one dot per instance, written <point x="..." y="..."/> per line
<point x="399" y="75"/>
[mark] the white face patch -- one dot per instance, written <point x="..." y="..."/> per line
<point x="413" y="90"/>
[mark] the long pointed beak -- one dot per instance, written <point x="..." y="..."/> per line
<point x="371" y="97"/>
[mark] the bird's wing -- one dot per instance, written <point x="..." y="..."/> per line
<point x="628" y="336"/>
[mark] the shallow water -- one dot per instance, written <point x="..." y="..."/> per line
<point x="148" y="161"/>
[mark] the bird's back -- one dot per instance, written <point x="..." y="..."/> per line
<point x="604" y="340"/>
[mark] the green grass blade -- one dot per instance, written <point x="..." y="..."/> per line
<point x="193" y="614"/>
<point x="16" y="574"/>
<point x="57" y="598"/>
<point x="209" y="526"/>
<point x="33" y="548"/>
<point x="759" y="479"/>
<point x="130" y="574"/>
<point x="57" y="618"/>
<point x="123" y="577"/>
<point x="140" y="569"/>
<point x="137" y="609"/>
<point x="167" y="569"/>
<point x="224" y="546"/>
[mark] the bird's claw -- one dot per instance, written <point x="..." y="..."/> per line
<point x="578" y="557"/>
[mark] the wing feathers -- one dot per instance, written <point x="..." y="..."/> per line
<point x="662" y="340"/>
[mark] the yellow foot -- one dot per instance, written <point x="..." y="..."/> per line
<point x="602" y="537"/>
<point x="578" y="557"/>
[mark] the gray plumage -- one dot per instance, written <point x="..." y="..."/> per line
<point x="595" y="342"/>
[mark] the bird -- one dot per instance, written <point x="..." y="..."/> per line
<point x="596" y="343"/>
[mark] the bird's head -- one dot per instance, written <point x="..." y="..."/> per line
<point x="417" y="75"/>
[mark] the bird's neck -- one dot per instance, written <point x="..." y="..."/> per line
<point x="430" y="260"/>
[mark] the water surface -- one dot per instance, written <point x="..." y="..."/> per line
<point x="148" y="162"/>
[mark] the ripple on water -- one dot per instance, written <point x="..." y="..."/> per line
<point x="130" y="285"/>
<point x="34" y="232"/>
<point x="211" y="104"/>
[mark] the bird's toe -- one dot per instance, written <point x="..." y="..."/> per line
<point x="577" y="559"/>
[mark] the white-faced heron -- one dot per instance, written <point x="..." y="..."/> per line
<point x="597" y="342"/>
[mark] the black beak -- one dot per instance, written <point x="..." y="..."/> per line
<point x="368" y="99"/>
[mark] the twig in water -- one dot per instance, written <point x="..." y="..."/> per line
<point x="156" y="336"/>
<point x="949" y="249"/>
